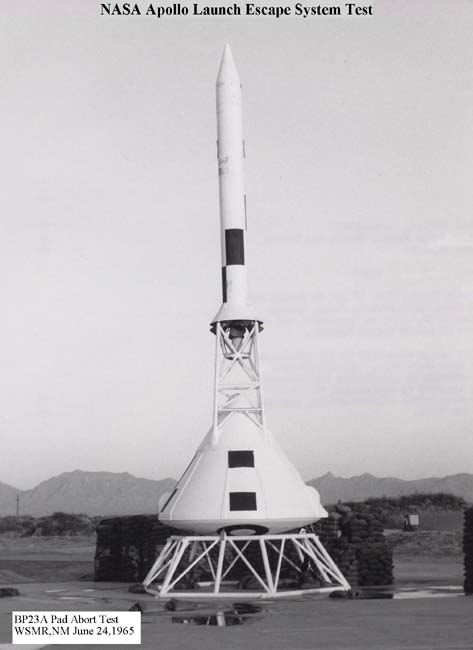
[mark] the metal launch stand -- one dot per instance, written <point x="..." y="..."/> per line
<point x="201" y="566"/>
<point x="265" y="556"/>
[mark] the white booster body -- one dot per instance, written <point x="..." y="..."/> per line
<point x="239" y="480"/>
<point x="233" y="219"/>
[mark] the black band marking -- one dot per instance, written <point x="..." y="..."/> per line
<point x="234" y="246"/>
<point x="168" y="500"/>
<point x="236" y="528"/>
<point x="224" y="284"/>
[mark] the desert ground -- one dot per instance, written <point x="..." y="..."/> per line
<point x="428" y="611"/>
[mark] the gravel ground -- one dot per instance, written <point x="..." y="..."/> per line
<point x="48" y="571"/>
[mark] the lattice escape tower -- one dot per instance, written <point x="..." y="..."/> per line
<point x="237" y="375"/>
<point x="240" y="494"/>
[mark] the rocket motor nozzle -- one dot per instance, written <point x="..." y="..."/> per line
<point x="237" y="333"/>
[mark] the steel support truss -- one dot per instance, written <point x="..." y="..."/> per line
<point x="184" y="561"/>
<point x="237" y="387"/>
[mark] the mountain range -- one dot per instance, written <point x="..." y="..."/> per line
<point x="90" y="493"/>
<point x="358" y="488"/>
<point x="109" y="493"/>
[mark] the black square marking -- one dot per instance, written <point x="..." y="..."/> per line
<point x="241" y="459"/>
<point x="242" y="500"/>
<point x="234" y="247"/>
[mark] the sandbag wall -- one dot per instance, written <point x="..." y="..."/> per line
<point x="354" y="540"/>
<point x="128" y="546"/>
<point x="356" y="543"/>
<point x="468" y="551"/>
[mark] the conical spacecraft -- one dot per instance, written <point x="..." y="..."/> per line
<point x="239" y="480"/>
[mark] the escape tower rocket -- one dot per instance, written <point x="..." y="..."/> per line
<point x="239" y="481"/>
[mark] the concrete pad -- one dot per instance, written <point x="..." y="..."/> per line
<point x="303" y="624"/>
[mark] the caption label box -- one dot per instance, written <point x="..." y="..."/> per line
<point x="112" y="628"/>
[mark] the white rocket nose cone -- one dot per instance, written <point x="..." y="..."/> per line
<point x="227" y="71"/>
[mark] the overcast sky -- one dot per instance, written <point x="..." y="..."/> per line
<point x="360" y="244"/>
